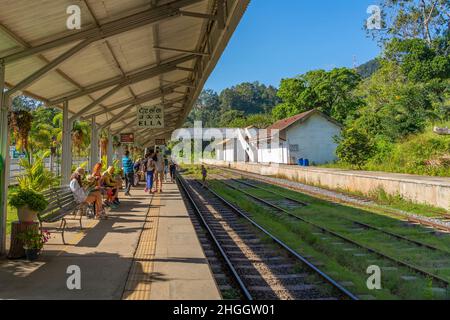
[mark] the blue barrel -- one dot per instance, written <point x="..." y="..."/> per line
<point x="306" y="163"/>
<point x="301" y="162"/>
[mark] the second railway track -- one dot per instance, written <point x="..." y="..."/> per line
<point x="276" y="207"/>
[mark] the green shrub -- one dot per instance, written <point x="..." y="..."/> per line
<point x="355" y="147"/>
<point x="30" y="198"/>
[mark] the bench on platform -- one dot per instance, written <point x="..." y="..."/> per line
<point x="62" y="207"/>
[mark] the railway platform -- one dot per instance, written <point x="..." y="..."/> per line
<point x="146" y="250"/>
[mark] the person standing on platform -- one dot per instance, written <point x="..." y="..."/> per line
<point x="149" y="172"/>
<point x="166" y="168"/>
<point x="172" y="169"/>
<point x="128" y="170"/>
<point x="204" y="176"/>
<point x="159" y="175"/>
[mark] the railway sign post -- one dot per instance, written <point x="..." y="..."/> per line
<point x="150" y="117"/>
<point x="127" y="138"/>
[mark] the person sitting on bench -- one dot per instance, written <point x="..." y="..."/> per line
<point x="80" y="195"/>
<point x="111" y="186"/>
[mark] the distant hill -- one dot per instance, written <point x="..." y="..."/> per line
<point x="368" y="69"/>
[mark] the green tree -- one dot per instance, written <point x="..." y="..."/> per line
<point x="418" y="61"/>
<point x="413" y="19"/>
<point x="394" y="106"/>
<point x="44" y="129"/>
<point x="257" y="120"/>
<point x="250" y="98"/>
<point x="206" y="109"/>
<point x="229" y="116"/>
<point x="355" y="147"/>
<point x="329" y="91"/>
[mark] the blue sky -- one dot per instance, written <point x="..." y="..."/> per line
<point x="284" y="38"/>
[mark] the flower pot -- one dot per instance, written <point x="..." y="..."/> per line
<point x="32" y="254"/>
<point x="26" y="215"/>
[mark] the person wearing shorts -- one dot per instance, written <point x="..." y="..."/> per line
<point x="81" y="196"/>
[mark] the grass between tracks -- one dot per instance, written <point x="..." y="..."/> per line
<point x="342" y="261"/>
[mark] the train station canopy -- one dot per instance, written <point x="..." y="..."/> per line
<point x="125" y="53"/>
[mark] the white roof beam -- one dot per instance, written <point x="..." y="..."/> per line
<point x="115" y="118"/>
<point x="124" y="81"/>
<point x="198" y="53"/>
<point x="150" y="16"/>
<point x="96" y="102"/>
<point x="155" y="94"/>
<point x="49" y="67"/>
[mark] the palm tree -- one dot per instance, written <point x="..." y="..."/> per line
<point x="36" y="176"/>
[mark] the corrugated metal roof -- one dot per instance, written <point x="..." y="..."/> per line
<point x="153" y="51"/>
<point x="286" y="123"/>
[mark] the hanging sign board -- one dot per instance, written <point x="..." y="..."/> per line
<point x="127" y="138"/>
<point x="150" y="117"/>
<point x="160" y="142"/>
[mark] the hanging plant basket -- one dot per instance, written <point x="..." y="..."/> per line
<point x="21" y="122"/>
<point x="103" y="146"/>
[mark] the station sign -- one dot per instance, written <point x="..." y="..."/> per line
<point x="127" y="138"/>
<point x="150" y="117"/>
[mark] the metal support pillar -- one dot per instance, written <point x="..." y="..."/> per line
<point x="110" y="149"/>
<point x="4" y="158"/>
<point x="93" y="156"/>
<point x="66" y="161"/>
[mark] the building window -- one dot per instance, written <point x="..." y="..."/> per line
<point x="293" y="148"/>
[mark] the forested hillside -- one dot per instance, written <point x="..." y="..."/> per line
<point x="233" y="105"/>
<point x="388" y="105"/>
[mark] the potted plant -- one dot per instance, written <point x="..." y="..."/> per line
<point x="33" y="242"/>
<point x="28" y="204"/>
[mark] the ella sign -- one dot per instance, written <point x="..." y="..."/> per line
<point x="151" y="117"/>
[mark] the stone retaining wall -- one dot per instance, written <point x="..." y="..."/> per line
<point x="434" y="191"/>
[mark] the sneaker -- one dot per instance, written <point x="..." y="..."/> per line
<point x="116" y="202"/>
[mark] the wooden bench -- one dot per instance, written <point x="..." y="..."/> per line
<point x="62" y="207"/>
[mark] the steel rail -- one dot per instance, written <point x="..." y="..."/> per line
<point x="228" y="262"/>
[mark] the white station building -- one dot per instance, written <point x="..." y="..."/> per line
<point x="309" y="135"/>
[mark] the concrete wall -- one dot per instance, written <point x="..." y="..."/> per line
<point x="420" y="189"/>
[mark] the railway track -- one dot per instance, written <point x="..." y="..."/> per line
<point x="260" y="269"/>
<point x="440" y="223"/>
<point x="279" y="209"/>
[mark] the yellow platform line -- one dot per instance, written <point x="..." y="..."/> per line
<point x="138" y="285"/>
